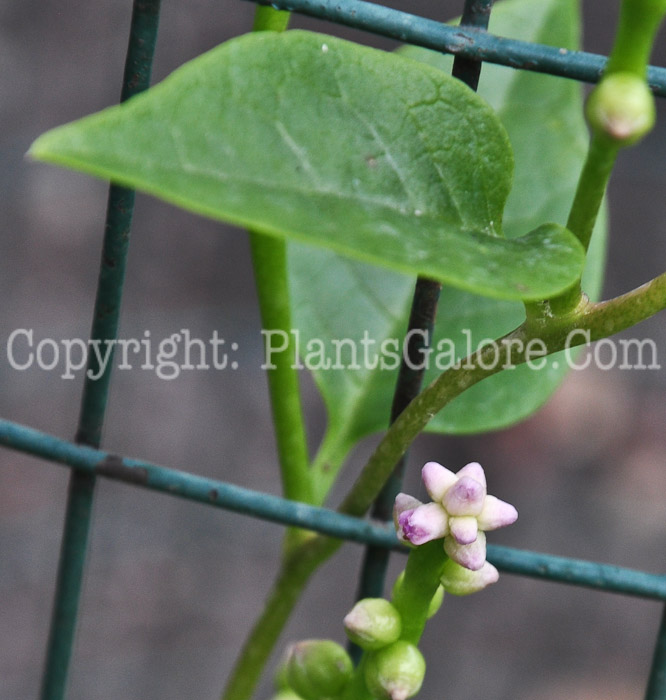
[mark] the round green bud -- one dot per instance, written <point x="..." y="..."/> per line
<point x="395" y="672"/>
<point x="458" y="580"/>
<point x="318" y="668"/>
<point x="287" y="694"/>
<point x="622" y="107"/>
<point x="435" y="602"/>
<point x="373" y="623"/>
<point x="280" y="678"/>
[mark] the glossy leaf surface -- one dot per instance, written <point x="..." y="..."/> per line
<point x="339" y="298"/>
<point x="327" y="142"/>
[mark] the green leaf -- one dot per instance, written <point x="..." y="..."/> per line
<point x="543" y="116"/>
<point x="338" y="298"/>
<point x="326" y="142"/>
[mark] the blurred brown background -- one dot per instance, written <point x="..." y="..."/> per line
<point x="172" y="587"/>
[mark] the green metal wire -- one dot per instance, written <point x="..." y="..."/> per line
<point x="656" y="689"/>
<point x="92" y="461"/>
<point x="143" y="34"/>
<point x="476" y="13"/>
<point x="468" y="42"/>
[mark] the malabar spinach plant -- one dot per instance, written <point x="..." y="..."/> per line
<point x="355" y="170"/>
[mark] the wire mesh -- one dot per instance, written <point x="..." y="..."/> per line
<point x="87" y="461"/>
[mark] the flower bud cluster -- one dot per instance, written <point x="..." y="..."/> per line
<point x="320" y="669"/>
<point x="460" y="513"/>
<point x="394" y="669"/>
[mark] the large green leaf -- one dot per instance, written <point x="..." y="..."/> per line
<point x="327" y="142"/>
<point x="338" y="298"/>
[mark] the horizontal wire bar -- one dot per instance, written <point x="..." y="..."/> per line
<point x="197" y="488"/>
<point x="604" y="577"/>
<point x="468" y="42"/>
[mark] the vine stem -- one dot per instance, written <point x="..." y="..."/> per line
<point x="419" y="585"/>
<point x="292" y="578"/>
<point x="589" y="322"/>
<point x="551" y="323"/>
<point x="269" y="259"/>
<point x="592" y="183"/>
<point x="422" y="317"/>
<point x="637" y="27"/>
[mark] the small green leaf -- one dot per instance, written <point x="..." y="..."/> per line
<point x="326" y="142"/>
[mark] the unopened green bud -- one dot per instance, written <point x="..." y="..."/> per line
<point x="395" y="672"/>
<point x="286" y="694"/>
<point x="435" y="602"/>
<point x="458" y="580"/>
<point x="280" y="679"/>
<point x="622" y="108"/>
<point x="318" y="668"/>
<point x="373" y="623"/>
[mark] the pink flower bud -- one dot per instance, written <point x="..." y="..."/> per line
<point x="423" y="524"/>
<point x="403" y="504"/>
<point x="437" y="480"/>
<point x="496" y="514"/>
<point x="464" y="530"/>
<point x="472" y="556"/>
<point x="461" y="512"/>
<point x="465" y="497"/>
<point x="475" y="471"/>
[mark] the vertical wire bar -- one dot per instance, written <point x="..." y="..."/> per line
<point x="136" y="78"/>
<point x="408" y="385"/>
<point x="656" y="689"/>
<point x="476" y="13"/>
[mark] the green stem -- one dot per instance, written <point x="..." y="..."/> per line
<point x="357" y="689"/>
<point x="601" y="320"/>
<point x="269" y="257"/>
<point x="637" y="27"/>
<point x="591" y="187"/>
<point x="639" y="21"/>
<point x="329" y="459"/>
<point x="287" y="588"/>
<point x="587" y="322"/>
<point x="419" y="585"/>
<point x="601" y="156"/>
<point x="614" y="315"/>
